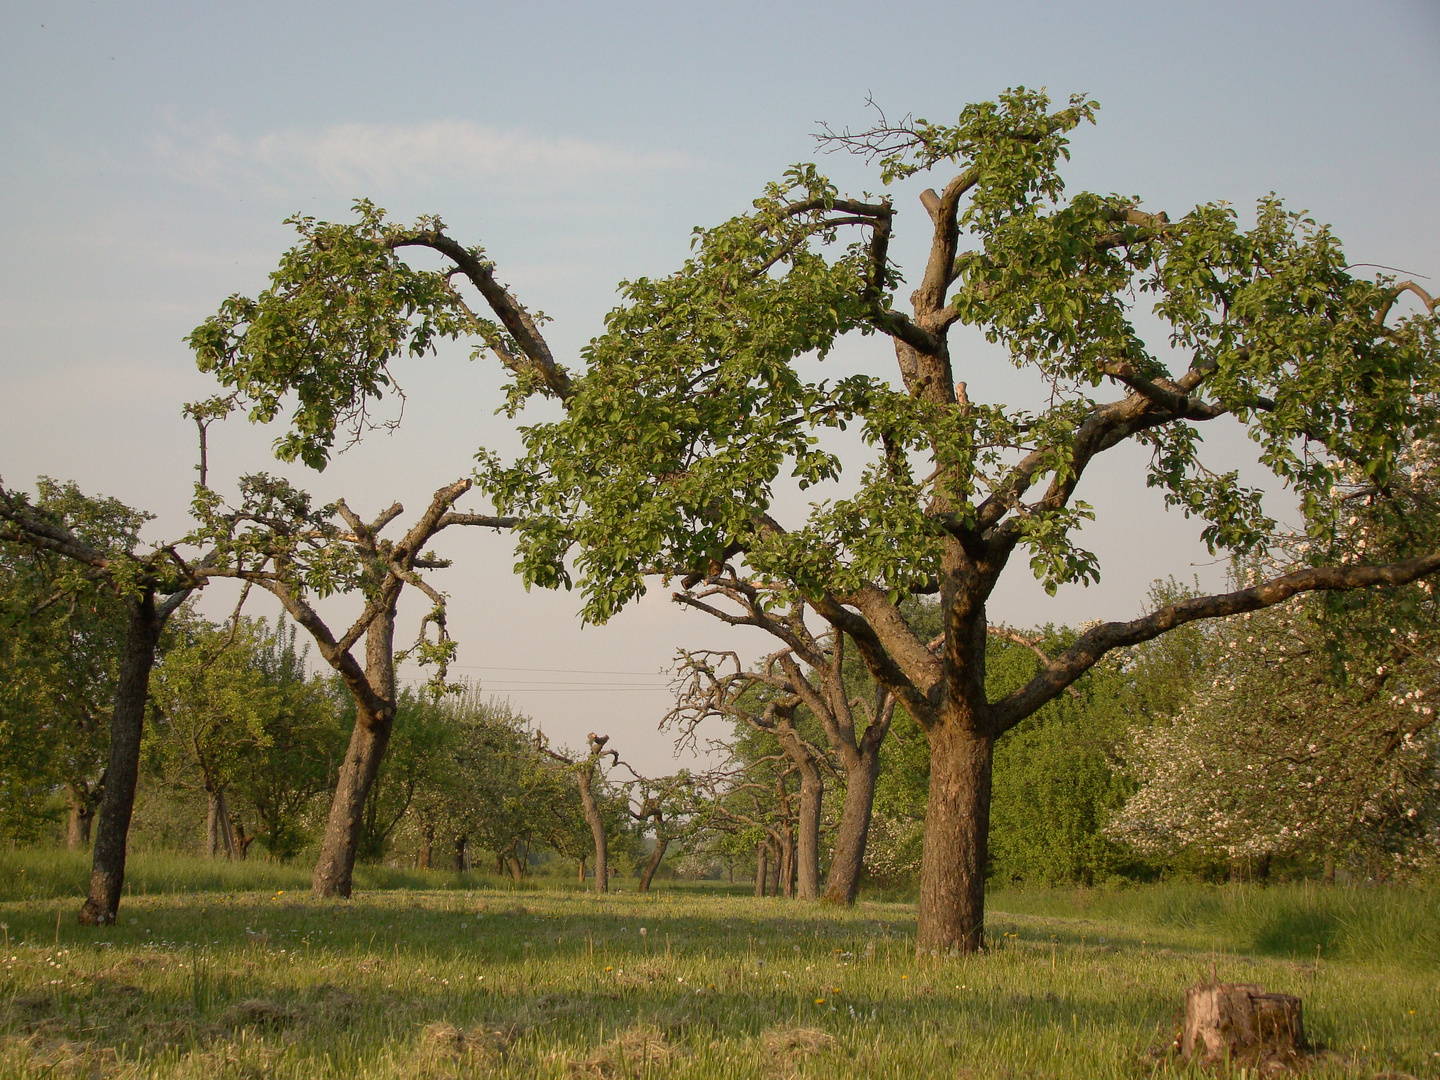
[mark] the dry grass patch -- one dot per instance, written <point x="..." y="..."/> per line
<point x="639" y="1049"/>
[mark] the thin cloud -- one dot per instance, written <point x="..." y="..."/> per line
<point x="356" y="156"/>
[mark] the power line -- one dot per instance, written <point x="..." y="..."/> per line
<point x="554" y="671"/>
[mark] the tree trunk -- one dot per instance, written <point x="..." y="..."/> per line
<point x="219" y="837"/>
<point x="585" y="778"/>
<point x="848" y="861"/>
<point x="335" y="868"/>
<point x="1328" y="875"/>
<point x="772" y="878"/>
<point x="461" y="842"/>
<point x="951" y="916"/>
<point x="762" y="867"/>
<point x="580" y="862"/>
<point x="661" y="843"/>
<point x="1239" y="1022"/>
<point x="787" y="863"/>
<point x="517" y="872"/>
<point x="807" y="851"/>
<point x="426" y="854"/>
<point x="107" y="873"/>
<point x="82" y="815"/>
<point x="242" y="839"/>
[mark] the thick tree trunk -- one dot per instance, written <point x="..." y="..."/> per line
<point x="807" y="849"/>
<point x="82" y="815"/>
<point x="517" y="871"/>
<point x="848" y="861"/>
<point x="957" y="829"/>
<point x="585" y="777"/>
<point x="762" y="868"/>
<point x="335" y="869"/>
<point x="772" y="878"/>
<point x="107" y="873"/>
<point x="661" y="843"/>
<point x="461" y="843"/>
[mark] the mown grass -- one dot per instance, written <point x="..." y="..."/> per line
<point x="552" y="983"/>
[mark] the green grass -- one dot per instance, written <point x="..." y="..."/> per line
<point x="455" y="982"/>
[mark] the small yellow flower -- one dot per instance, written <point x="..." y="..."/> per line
<point x="904" y="976"/>
<point x="609" y="969"/>
<point x="819" y="1001"/>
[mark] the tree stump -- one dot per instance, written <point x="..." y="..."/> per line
<point x="1241" y="1022"/>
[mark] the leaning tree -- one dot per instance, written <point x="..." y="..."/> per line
<point x="701" y="398"/>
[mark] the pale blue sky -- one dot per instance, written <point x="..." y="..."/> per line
<point x="150" y="152"/>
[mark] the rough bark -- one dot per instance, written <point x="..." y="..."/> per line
<point x="848" y="861"/>
<point x="585" y="779"/>
<point x="107" y="873"/>
<point x="807" y="829"/>
<point x="762" y="868"/>
<point x="786" y="868"/>
<point x="1240" y="1022"/>
<point x="661" y="843"/>
<point x="951" y="917"/>
<point x="374" y="718"/>
<point x="80" y="819"/>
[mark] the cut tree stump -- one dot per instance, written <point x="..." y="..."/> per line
<point x="1241" y="1022"/>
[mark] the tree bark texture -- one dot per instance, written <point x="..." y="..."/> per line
<point x="807" y="833"/>
<point x="80" y="818"/>
<point x="107" y="873"/>
<point x="335" y="868"/>
<point x="585" y="779"/>
<point x="517" y="868"/>
<point x="848" y="861"/>
<point x="653" y="864"/>
<point x="762" y="868"/>
<point x="1240" y="1022"/>
<point x="957" y="827"/>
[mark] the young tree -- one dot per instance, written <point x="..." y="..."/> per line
<point x="60" y="639"/>
<point x="588" y="779"/>
<point x="99" y="538"/>
<point x="276" y="540"/>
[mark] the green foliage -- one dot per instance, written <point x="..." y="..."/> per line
<point x="61" y="630"/>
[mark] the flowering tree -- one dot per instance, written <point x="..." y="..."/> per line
<point x="1315" y="729"/>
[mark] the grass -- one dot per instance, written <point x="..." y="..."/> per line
<point x="459" y="982"/>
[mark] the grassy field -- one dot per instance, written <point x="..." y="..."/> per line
<point x="207" y="975"/>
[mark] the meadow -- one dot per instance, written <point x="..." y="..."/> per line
<point x="232" y="970"/>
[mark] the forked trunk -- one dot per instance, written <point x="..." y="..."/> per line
<point x="807" y="840"/>
<point x="82" y="815"/>
<point x="107" y="873"/>
<point x="848" y="861"/>
<point x="661" y="843"/>
<point x="219" y="837"/>
<point x="957" y="827"/>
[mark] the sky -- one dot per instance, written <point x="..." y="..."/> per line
<point x="149" y="154"/>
